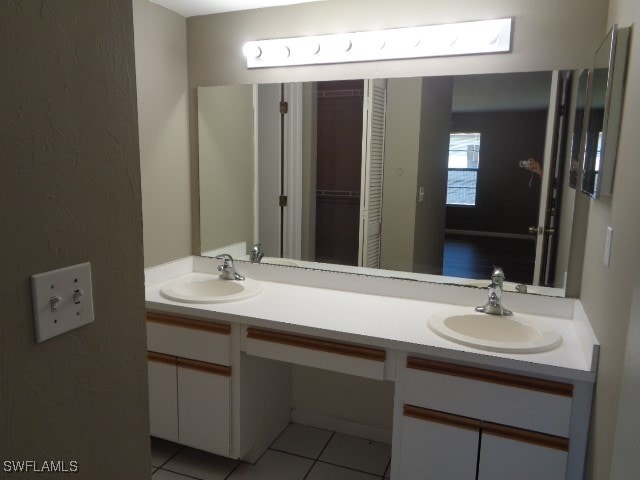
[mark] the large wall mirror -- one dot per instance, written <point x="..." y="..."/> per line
<point x="605" y="112"/>
<point x="430" y="178"/>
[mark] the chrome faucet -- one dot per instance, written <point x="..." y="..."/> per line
<point x="494" y="302"/>
<point x="227" y="270"/>
<point x="256" y="253"/>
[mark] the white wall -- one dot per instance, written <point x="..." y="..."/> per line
<point x="70" y="193"/>
<point x="608" y="293"/>
<point x="163" y="117"/>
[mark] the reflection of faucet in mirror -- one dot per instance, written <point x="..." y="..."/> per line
<point x="494" y="302"/>
<point x="227" y="270"/>
<point x="256" y="253"/>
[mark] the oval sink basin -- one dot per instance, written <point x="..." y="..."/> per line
<point x="514" y="334"/>
<point x="210" y="289"/>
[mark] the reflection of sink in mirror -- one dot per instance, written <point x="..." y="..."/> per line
<point x="513" y="334"/>
<point x="204" y="288"/>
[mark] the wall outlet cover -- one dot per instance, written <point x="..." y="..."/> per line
<point x="62" y="300"/>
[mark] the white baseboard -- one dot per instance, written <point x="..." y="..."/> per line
<point x="340" y="425"/>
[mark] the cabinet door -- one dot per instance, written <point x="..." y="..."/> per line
<point x="204" y="399"/>
<point x="512" y="454"/>
<point x="438" y="446"/>
<point x="163" y="396"/>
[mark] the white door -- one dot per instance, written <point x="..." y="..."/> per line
<point x="550" y="150"/>
<point x="504" y="458"/>
<point x="438" y="451"/>
<point x="163" y="398"/>
<point x="373" y="128"/>
<point x="204" y="407"/>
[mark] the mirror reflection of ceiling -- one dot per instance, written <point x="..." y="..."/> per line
<point x="192" y="8"/>
<point x="501" y="92"/>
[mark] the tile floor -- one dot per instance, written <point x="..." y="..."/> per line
<point x="299" y="453"/>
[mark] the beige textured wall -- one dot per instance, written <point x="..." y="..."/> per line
<point x="70" y="193"/>
<point x="607" y="293"/>
<point x="430" y="218"/>
<point x="402" y="144"/>
<point x="227" y="165"/>
<point x="161" y="77"/>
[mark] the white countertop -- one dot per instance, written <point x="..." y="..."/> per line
<point x="377" y="320"/>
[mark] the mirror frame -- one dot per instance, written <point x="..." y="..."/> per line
<point x="616" y="43"/>
<point x="577" y="136"/>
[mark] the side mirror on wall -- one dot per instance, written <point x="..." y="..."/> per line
<point x="604" y="106"/>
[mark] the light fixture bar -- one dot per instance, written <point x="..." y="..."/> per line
<point x="465" y="38"/>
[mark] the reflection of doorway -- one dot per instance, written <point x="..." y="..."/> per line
<point x="338" y="164"/>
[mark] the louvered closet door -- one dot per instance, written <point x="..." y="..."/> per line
<point x="375" y="102"/>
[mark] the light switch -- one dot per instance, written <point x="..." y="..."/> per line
<point x="62" y="300"/>
<point x="420" y="194"/>
<point x="607" y="246"/>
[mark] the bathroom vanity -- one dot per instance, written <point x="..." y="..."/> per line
<point x="219" y="376"/>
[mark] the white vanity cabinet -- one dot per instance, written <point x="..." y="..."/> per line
<point x="463" y="422"/>
<point x="189" y="399"/>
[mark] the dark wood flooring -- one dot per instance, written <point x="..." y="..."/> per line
<point x="470" y="256"/>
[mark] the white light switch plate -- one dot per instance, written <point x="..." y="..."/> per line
<point x="607" y="246"/>
<point x="62" y="300"/>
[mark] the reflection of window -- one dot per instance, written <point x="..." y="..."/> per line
<point x="598" y="152"/>
<point x="464" y="156"/>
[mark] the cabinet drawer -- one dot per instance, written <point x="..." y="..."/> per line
<point x="187" y="338"/>
<point x="524" y="402"/>
<point x="315" y="352"/>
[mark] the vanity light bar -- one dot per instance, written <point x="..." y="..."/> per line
<point x="487" y="36"/>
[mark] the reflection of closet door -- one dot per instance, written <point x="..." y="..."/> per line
<point x="269" y="133"/>
<point x="375" y="102"/>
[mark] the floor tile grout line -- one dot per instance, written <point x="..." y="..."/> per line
<point x="238" y="463"/>
<point x="181" y="447"/>
<point x="353" y="469"/>
<point x="292" y="453"/>
<point x="186" y="475"/>
<point x="333" y="434"/>
<point x="388" y="469"/>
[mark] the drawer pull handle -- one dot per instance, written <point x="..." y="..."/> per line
<point x="441" y="417"/>
<point x="189" y="323"/>
<point x="161" y="358"/>
<point x="482" y="375"/>
<point x="527" y="436"/>
<point x="317" y="344"/>
<point x="205" y="367"/>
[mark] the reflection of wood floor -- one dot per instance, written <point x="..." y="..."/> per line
<point x="474" y="257"/>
